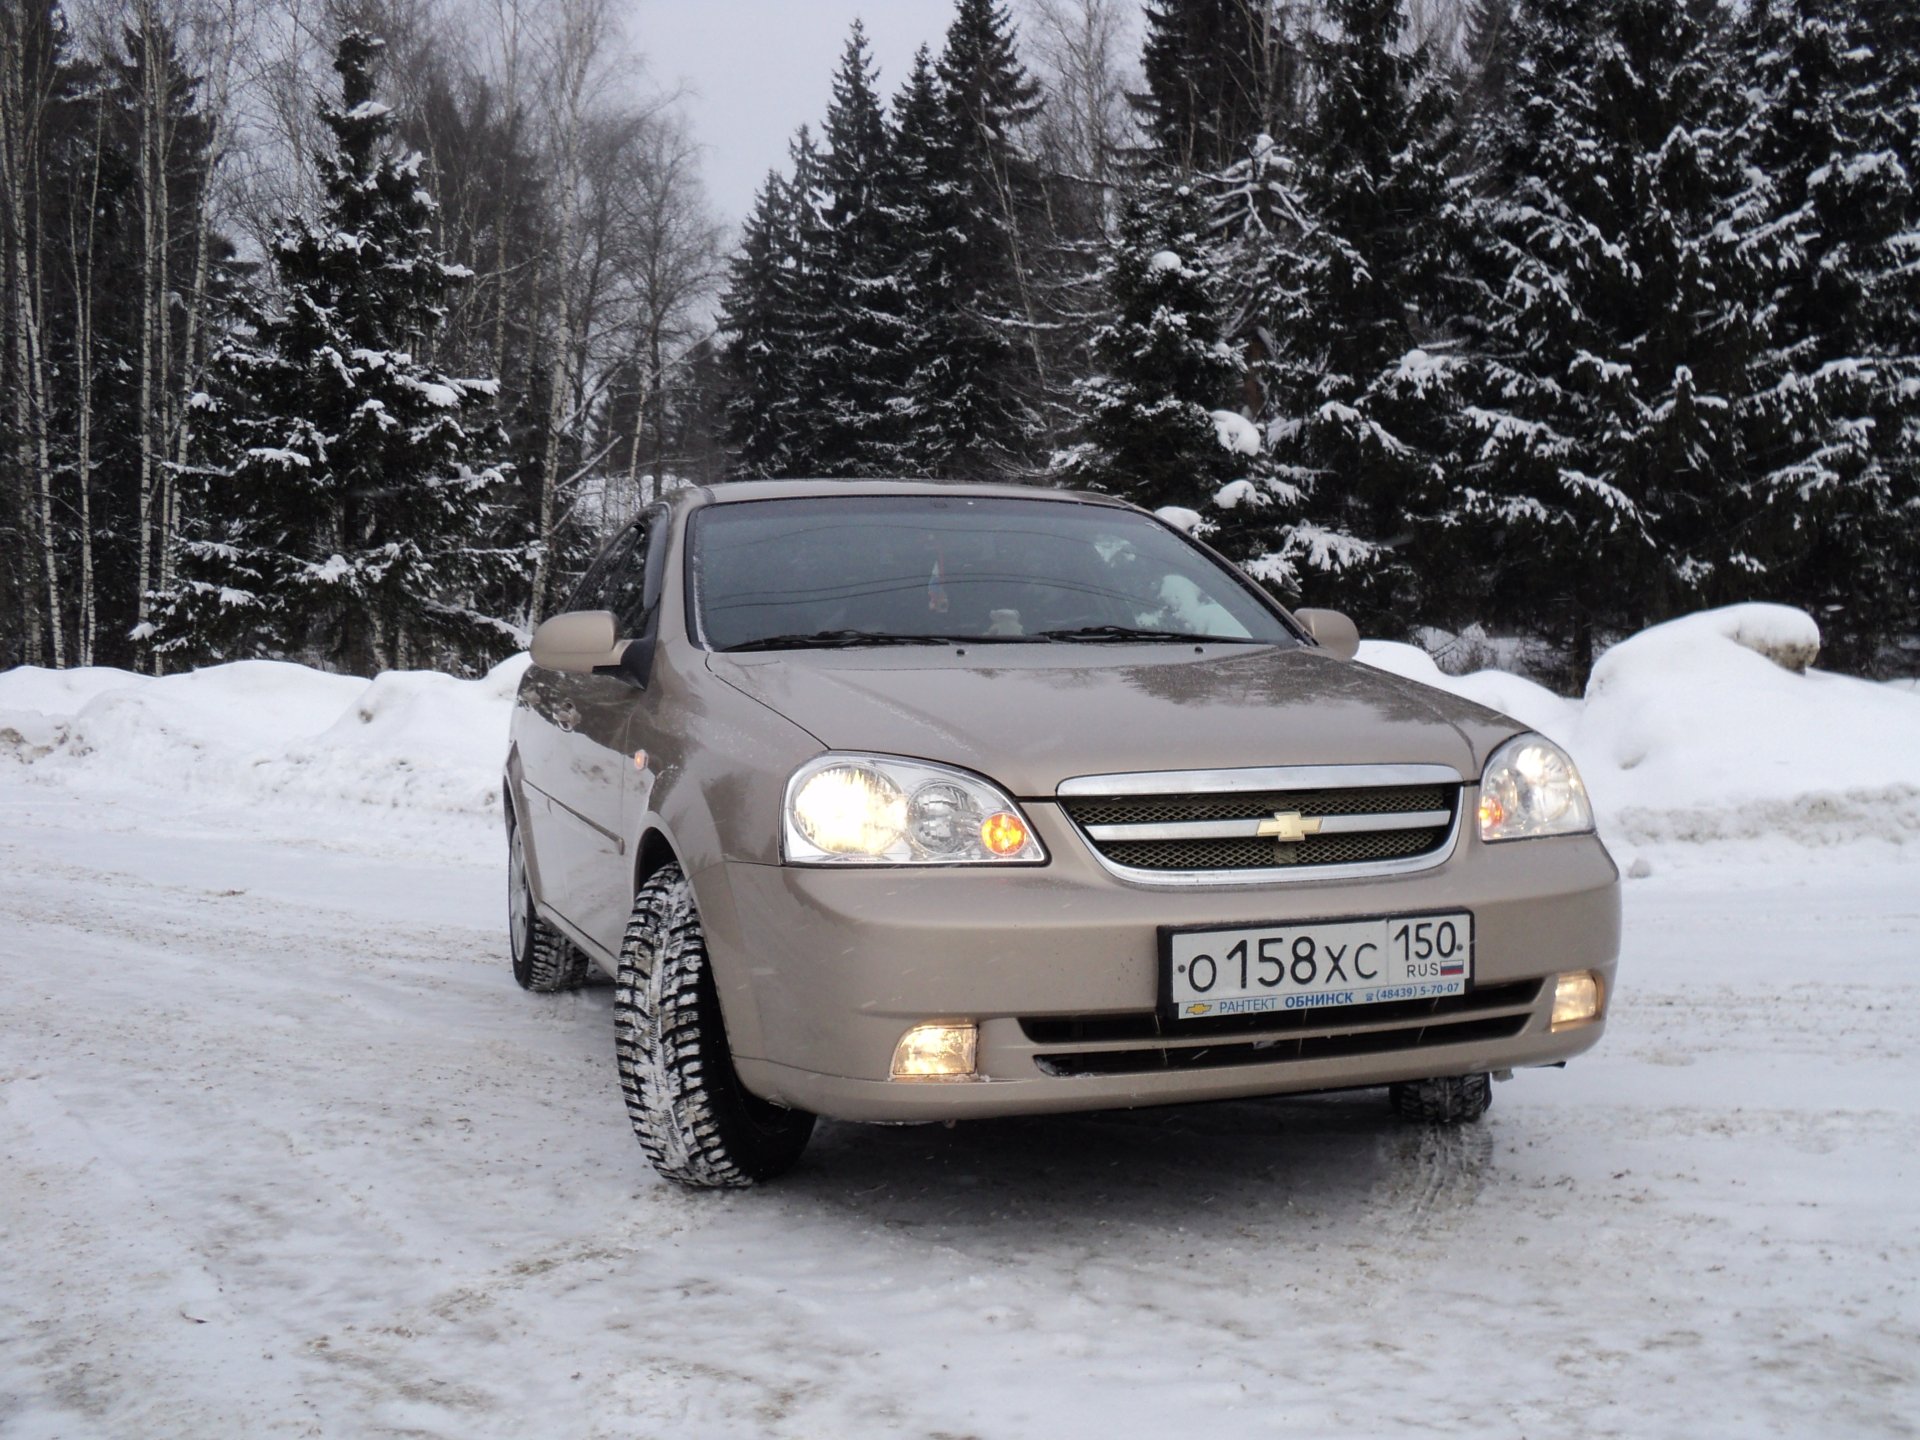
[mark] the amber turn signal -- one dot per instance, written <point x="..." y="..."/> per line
<point x="1003" y="833"/>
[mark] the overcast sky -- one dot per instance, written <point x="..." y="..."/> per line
<point x="754" y="70"/>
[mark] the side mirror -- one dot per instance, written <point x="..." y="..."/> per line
<point x="579" y="642"/>
<point x="1334" y="631"/>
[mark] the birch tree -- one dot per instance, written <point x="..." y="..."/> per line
<point x="576" y="54"/>
<point x="28" y="47"/>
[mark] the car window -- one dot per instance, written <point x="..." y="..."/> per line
<point x="616" y="581"/>
<point x="627" y="582"/>
<point x="591" y="592"/>
<point x="862" y="568"/>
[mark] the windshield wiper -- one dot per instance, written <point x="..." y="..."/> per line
<point x="1129" y="632"/>
<point x="839" y="639"/>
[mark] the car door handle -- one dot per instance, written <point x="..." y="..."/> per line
<point x="565" y="715"/>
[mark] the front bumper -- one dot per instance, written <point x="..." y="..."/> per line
<point x="821" y="971"/>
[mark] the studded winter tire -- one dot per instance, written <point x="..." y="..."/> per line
<point x="1450" y="1100"/>
<point x="544" y="960"/>
<point x="695" y="1120"/>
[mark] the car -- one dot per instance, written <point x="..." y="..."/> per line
<point x="912" y="801"/>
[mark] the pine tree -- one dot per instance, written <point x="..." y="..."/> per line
<point x="1616" y="324"/>
<point x="756" y="360"/>
<point x="863" y="351"/>
<point x="1155" y="430"/>
<point x="779" y="312"/>
<point x="1218" y="73"/>
<point x="351" y="526"/>
<point x="1831" y="412"/>
<point x="914" y="207"/>
<point x="1487" y="55"/>
<point x="975" y="394"/>
<point x="801" y="312"/>
<point x="1361" y="381"/>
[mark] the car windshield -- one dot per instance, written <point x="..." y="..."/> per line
<point x="874" y="570"/>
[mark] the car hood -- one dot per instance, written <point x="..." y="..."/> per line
<point x="1030" y="718"/>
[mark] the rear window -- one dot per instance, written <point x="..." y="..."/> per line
<point x="903" y="569"/>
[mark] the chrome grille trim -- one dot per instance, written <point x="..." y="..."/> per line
<point x="1269" y="779"/>
<point x="1243" y="829"/>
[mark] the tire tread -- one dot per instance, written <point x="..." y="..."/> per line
<point x="1445" y="1100"/>
<point x="693" y="1120"/>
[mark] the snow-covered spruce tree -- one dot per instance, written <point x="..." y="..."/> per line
<point x="862" y="355"/>
<point x="1217" y="73"/>
<point x="914" y="204"/>
<point x="1614" y="326"/>
<point x="802" y="304"/>
<point x="1486" y="55"/>
<point x="351" y="526"/>
<point x="1361" y="383"/>
<point x="1154" y="429"/>
<point x="1223" y="78"/>
<point x="975" y="398"/>
<point x="758" y="365"/>
<point x="1833" y="410"/>
<point x="775" y="313"/>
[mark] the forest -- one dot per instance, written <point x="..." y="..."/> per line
<point x="328" y="339"/>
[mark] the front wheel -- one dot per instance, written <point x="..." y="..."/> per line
<point x="1450" y="1100"/>
<point x="696" y="1122"/>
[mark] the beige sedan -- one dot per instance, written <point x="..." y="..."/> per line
<point x="911" y="802"/>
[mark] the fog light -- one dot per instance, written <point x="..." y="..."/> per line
<point x="1576" y="999"/>
<point x="935" y="1052"/>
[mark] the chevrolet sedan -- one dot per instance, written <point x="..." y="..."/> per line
<point x="899" y="801"/>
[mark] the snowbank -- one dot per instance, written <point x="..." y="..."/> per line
<point x="1700" y="729"/>
<point x="1711" y="727"/>
<point x="260" y="729"/>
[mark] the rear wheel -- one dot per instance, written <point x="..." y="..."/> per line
<point x="544" y="960"/>
<point x="695" y="1120"/>
<point x="1450" y="1100"/>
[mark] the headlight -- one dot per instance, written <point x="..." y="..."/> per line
<point x="1532" y="788"/>
<point x="879" y="810"/>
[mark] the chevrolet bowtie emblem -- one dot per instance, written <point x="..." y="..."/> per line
<point x="1289" y="826"/>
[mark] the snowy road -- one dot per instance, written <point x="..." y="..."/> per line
<point x="286" y="1153"/>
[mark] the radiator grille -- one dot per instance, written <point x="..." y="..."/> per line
<point x="1226" y="805"/>
<point x="1202" y="853"/>
<point x="1255" y="854"/>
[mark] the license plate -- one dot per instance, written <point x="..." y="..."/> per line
<point x="1309" y="964"/>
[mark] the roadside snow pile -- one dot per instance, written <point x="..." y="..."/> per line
<point x="1698" y="729"/>
<point x="1705" y="728"/>
<point x="268" y="729"/>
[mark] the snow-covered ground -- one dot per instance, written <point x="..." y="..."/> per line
<point x="286" y="1152"/>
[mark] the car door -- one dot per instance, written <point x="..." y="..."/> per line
<point x="613" y="730"/>
<point x="575" y="754"/>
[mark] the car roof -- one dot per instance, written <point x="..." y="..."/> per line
<point x="739" y="490"/>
